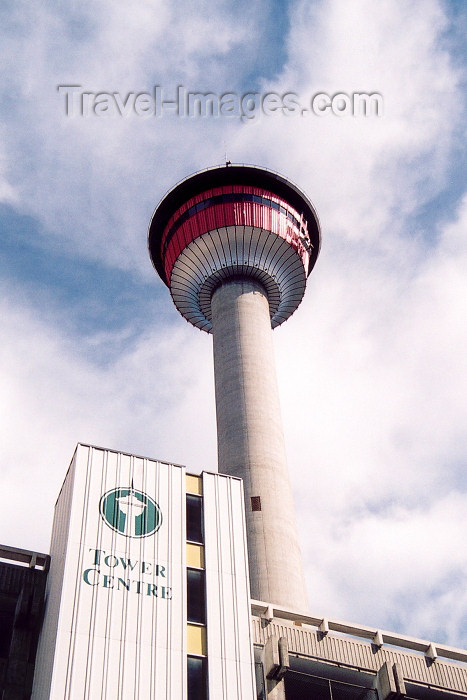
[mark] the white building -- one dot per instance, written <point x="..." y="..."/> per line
<point x="148" y="592"/>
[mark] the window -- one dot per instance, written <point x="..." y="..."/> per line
<point x="196" y="597"/>
<point x="196" y="678"/>
<point x="194" y="518"/>
<point x="220" y="199"/>
<point x="7" y="616"/>
<point x="256" y="503"/>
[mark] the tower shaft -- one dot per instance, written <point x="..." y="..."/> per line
<point x="251" y="441"/>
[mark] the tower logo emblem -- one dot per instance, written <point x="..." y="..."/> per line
<point x="130" y="512"/>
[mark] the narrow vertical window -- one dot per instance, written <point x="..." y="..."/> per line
<point x="194" y="518"/>
<point x="196" y="598"/>
<point x="197" y="686"/>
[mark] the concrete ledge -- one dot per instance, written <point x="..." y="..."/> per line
<point x="25" y="556"/>
<point x="378" y="637"/>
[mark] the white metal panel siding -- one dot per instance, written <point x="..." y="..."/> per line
<point x="113" y="643"/>
<point x="230" y="653"/>
<point x="58" y="547"/>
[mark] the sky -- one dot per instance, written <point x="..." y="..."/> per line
<point x="372" y="367"/>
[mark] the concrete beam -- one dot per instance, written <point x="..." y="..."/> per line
<point x="379" y="637"/>
<point x="276" y="664"/>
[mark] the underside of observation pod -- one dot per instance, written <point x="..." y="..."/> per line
<point x="234" y="221"/>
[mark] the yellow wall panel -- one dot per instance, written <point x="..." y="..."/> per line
<point x="196" y="640"/>
<point x="194" y="484"/>
<point x="195" y="555"/>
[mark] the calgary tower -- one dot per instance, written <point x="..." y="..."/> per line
<point x="235" y="245"/>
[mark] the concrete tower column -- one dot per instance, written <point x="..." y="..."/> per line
<point x="251" y="441"/>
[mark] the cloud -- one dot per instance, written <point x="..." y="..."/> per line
<point x="410" y="564"/>
<point x="371" y="367"/>
<point x="71" y="168"/>
<point x="365" y="175"/>
<point x="375" y="417"/>
<point x="146" y="400"/>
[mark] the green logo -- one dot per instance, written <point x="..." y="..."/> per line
<point x="130" y="512"/>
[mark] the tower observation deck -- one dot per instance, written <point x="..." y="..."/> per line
<point x="235" y="245"/>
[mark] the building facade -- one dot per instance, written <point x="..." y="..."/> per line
<point x="148" y="592"/>
<point x="23" y="577"/>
